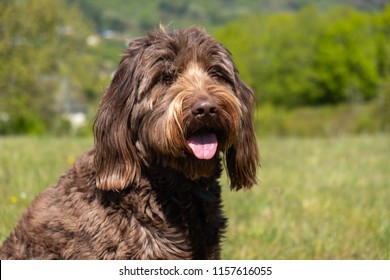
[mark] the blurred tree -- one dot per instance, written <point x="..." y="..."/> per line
<point x="346" y="59"/>
<point x="382" y="26"/>
<point x="40" y="42"/>
<point x="311" y="57"/>
<point x="285" y="69"/>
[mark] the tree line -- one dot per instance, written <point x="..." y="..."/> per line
<point x="311" y="57"/>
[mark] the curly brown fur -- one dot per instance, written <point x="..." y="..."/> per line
<point x="149" y="188"/>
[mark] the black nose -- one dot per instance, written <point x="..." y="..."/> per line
<point x="204" y="108"/>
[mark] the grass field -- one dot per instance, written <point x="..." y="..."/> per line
<point x="324" y="198"/>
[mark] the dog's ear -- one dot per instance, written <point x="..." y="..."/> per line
<point x="116" y="160"/>
<point x="242" y="159"/>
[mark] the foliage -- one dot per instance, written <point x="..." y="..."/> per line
<point x="42" y="50"/>
<point x="312" y="57"/>
<point x="323" y="121"/>
<point x="291" y="56"/>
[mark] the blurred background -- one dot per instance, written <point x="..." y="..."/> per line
<point x="321" y="73"/>
<point x="318" y="67"/>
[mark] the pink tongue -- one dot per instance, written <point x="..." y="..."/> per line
<point x="203" y="145"/>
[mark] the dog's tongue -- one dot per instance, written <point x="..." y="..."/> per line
<point x="203" y="145"/>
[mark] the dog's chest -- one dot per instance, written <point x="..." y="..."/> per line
<point x="174" y="225"/>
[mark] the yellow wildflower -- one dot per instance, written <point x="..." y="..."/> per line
<point x="13" y="199"/>
<point x="70" y="160"/>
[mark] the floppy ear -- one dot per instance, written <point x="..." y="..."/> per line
<point x="116" y="161"/>
<point x="242" y="159"/>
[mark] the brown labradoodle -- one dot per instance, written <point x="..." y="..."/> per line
<point x="149" y="188"/>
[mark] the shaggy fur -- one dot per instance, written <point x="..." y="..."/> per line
<point x="149" y="188"/>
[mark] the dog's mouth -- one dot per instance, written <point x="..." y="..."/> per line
<point x="203" y="144"/>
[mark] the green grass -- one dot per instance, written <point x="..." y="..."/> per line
<point x="317" y="199"/>
<point x="28" y="165"/>
<point x="322" y="198"/>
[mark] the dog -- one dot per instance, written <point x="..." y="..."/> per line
<point x="175" y="112"/>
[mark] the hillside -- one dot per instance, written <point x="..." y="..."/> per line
<point x="135" y="17"/>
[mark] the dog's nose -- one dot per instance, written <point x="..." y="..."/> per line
<point x="204" y="108"/>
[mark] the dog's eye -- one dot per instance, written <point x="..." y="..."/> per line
<point x="162" y="79"/>
<point x="167" y="78"/>
<point x="220" y="76"/>
<point x="217" y="74"/>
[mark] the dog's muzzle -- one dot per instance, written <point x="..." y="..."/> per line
<point x="204" y="142"/>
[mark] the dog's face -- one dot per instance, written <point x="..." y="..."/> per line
<point x="176" y="100"/>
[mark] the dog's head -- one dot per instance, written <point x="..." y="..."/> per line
<point x="176" y="100"/>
